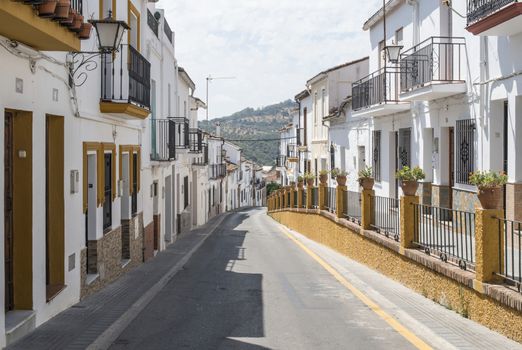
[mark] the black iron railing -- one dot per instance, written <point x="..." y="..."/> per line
<point x="479" y="9"/>
<point x="435" y="60"/>
<point x="315" y="197"/>
<point x="380" y="87"/>
<point x="291" y="151"/>
<point x="196" y="140"/>
<point x="510" y="248"/>
<point x="217" y="171"/>
<point x="352" y="207"/>
<point x="295" y="199"/>
<point x="203" y="158"/>
<point x="281" y="161"/>
<point x="386" y="216"/>
<point x="125" y="77"/>
<point x="180" y="128"/>
<point x="167" y="30"/>
<point x="153" y="23"/>
<point x="301" y="137"/>
<point x="446" y="233"/>
<point x="77" y="5"/>
<point x="303" y="204"/>
<point x="331" y="199"/>
<point x="163" y="140"/>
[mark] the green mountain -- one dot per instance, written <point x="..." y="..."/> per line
<point x="255" y="124"/>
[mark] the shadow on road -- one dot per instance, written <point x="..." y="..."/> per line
<point x="210" y="304"/>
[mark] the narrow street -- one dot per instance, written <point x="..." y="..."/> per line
<point x="249" y="286"/>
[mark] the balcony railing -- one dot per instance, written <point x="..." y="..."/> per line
<point x="162" y="140"/>
<point x="77" y="5"/>
<point x="196" y="140"/>
<point x="301" y="137"/>
<point x="435" y="60"/>
<point x="291" y="151"/>
<point x="281" y="161"/>
<point x="203" y="158"/>
<point x="479" y="9"/>
<point x="126" y="77"/>
<point x="217" y="171"/>
<point x="167" y="30"/>
<point x="181" y="131"/>
<point x="380" y="87"/>
<point x="152" y="22"/>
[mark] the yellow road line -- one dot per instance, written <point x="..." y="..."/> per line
<point x="402" y="330"/>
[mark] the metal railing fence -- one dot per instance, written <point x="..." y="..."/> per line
<point x="510" y="257"/>
<point x="352" y="208"/>
<point x="386" y="216"/>
<point x="447" y="233"/>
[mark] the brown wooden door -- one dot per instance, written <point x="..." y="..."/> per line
<point x="451" y="159"/>
<point x="8" y="210"/>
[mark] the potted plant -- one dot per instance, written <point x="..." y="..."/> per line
<point x="300" y="181"/>
<point x="85" y="31"/>
<point x="62" y="9"/>
<point x="340" y="176"/>
<point x="47" y="8"/>
<point x="76" y="25"/>
<point x="323" y="176"/>
<point x="409" y="179"/>
<point x="489" y="184"/>
<point x="310" y="179"/>
<point x="366" y="180"/>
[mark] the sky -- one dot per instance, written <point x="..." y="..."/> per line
<point x="271" y="47"/>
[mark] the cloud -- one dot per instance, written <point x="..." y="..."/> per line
<point x="271" y="46"/>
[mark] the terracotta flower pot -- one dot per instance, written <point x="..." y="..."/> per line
<point x="85" y="32"/>
<point x="76" y="25"/>
<point x="70" y="19"/>
<point x="367" y="183"/>
<point x="62" y="9"/>
<point x="310" y="183"/>
<point x="490" y="197"/>
<point x="341" y="180"/>
<point x="323" y="178"/>
<point x="409" y="188"/>
<point x="300" y="184"/>
<point x="47" y="8"/>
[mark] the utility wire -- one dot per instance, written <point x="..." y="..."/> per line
<point x="251" y="140"/>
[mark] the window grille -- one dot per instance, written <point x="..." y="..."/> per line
<point x="377" y="155"/>
<point x="465" y="150"/>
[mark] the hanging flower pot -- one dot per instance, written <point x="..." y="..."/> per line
<point x="85" y="32"/>
<point x="76" y="25"/>
<point x="490" y="197"/>
<point x="62" y="9"/>
<point x="47" y="8"/>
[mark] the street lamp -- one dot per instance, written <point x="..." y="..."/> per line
<point x="393" y="52"/>
<point x="209" y="79"/>
<point x="109" y="33"/>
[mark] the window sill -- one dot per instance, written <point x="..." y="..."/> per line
<point x="52" y="291"/>
<point x="91" y="278"/>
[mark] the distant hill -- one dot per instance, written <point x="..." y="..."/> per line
<point x="253" y="124"/>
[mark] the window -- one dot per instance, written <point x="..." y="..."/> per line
<point x="305" y="120"/>
<point x="382" y="55"/>
<point x="377" y="155"/>
<point x="332" y="158"/>
<point x="107" y="188"/>
<point x="465" y="150"/>
<point x="399" y="36"/>
<point x="134" y="24"/>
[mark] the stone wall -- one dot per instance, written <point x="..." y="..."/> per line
<point x="441" y="196"/>
<point x="514" y="201"/>
<point x="498" y="309"/>
<point x="106" y="256"/>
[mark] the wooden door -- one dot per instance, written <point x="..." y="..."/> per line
<point x="8" y="210"/>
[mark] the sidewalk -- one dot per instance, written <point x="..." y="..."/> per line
<point x="99" y="318"/>
<point x="440" y="327"/>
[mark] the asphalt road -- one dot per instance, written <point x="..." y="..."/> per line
<point x="251" y="287"/>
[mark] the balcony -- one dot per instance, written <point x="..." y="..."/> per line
<point x="203" y="159"/>
<point x="378" y="94"/>
<point x="494" y="17"/>
<point x="167" y="137"/>
<point x="217" y="171"/>
<point x="292" y="153"/>
<point x="281" y="161"/>
<point x="196" y="140"/>
<point x="153" y="23"/>
<point x="433" y="69"/>
<point x="125" y="84"/>
<point x="45" y="27"/>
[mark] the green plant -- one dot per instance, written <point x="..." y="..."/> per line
<point x="366" y="173"/>
<point x="272" y="187"/>
<point x="323" y="172"/>
<point x="408" y="174"/>
<point x="309" y="176"/>
<point x="300" y="178"/>
<point x="338" y="172"/>
<point x="488" y="179"/>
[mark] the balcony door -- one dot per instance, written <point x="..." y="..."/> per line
<point x="8" y="211"/>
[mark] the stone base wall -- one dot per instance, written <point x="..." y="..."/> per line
<point x="514" y="201"/>
<point x="425" y="277"/>
<point x="441" y="196"/>
<point x="465" y="200"/>
<point x="425" y="193"/>
<point x="148" y="247"/>
<point x="106" y="257"/>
